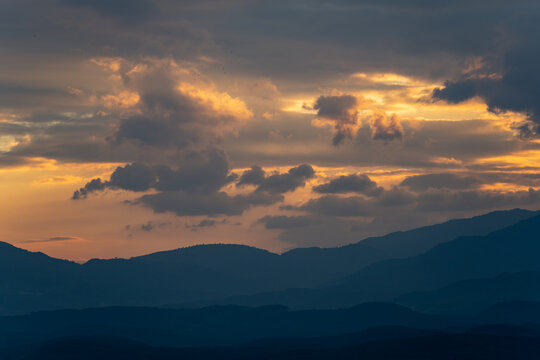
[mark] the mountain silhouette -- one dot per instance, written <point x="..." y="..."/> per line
<point x="512" y="312"/>
<point x="512" y="249"/>
<point x="210" y="274"/>
<point x="417" y="241"/>
<point x="220" y="325"/>
<point x="469" y="297"/>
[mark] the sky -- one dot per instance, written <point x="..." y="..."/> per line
<point x="135" y="126"/>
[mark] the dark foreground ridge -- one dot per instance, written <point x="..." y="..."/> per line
<point x="434" y="346"/>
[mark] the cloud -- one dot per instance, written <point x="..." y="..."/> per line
<point x="212" y="203"/>
<point x="471" y="200"/>
<point x="253" y="176"/>
<point x="202" y="224"/>
<point x="92" y="186"/>
<point x="509" y="81"/>
<point x="341" y="111"/>
<point x="195" y="204"/>
<point x="193" y="188"/>
<point x="53" y="239"/>
<point x="395" y="197"/>
<point x="440" y="181"/>
<point x="358" y="183"/>
<point x="456" y="92"/>
<point x="133" y="177"/>
<point x="174" y="109"/>
<point x="288" y="222"/>
<point x="205" y="171"/>
<point x="277" y="183"/>
<point x="148" y="226"/>
<point x="331" y="205"/>
<point x="385" y="127"/>
<point x="262" y="198"/>
<point x="281" y="183"/>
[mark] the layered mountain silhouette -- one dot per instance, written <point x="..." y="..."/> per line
<point x="464" y="289"/>
<point x="212" y="326"/>
<point x="512" y="249"/>
<point x="213" y="274"/>
<point x="262" y="330"/>
<point x="468" y="297"/>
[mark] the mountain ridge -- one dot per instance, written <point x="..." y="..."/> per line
<point x="35" y="281"/>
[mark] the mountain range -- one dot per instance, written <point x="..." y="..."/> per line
<point x="464" y="289"/>
<point x="378" y="268"/>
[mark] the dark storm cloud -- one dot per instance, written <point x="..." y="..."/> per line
<point x="90" y="187"/>
<point x="253" y="176"/>
<point x="437" y="53"/>
<point x="195" y="204"/>
<point x="341" y="111"/>
<point x="439" y="181"/>
<point x="277" y="183"/>
<point x="170" y="117"/>
<point x="281" y="183"/>
<point x="355" y="34"/>
<point x="133" y="177"/>
<point x="148" y="131"/>
<point x="509" y="79"/>
<point x="288" y="222"/>
<point x="456" y="92"/>
<point x="212" y="202"/>
<point x="194" y="188"/>
<point x="262" y="198"/>
<point x="358" y="183"/>
<point x="469" y="200"/>
<point x="362" y="34"/>
<point x="395" y="197"/>
<point x="199" y="172"/>
<point x="331" y="205"/>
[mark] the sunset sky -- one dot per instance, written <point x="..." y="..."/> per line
<point x="136" y="126"/>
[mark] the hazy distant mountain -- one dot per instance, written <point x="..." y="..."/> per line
<point x="512" y="312"/>
<point x="417" y="241"/>
<point x="469" y="297"/>
<point x="513" y="249"/>
<point x="34" y="281"/>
